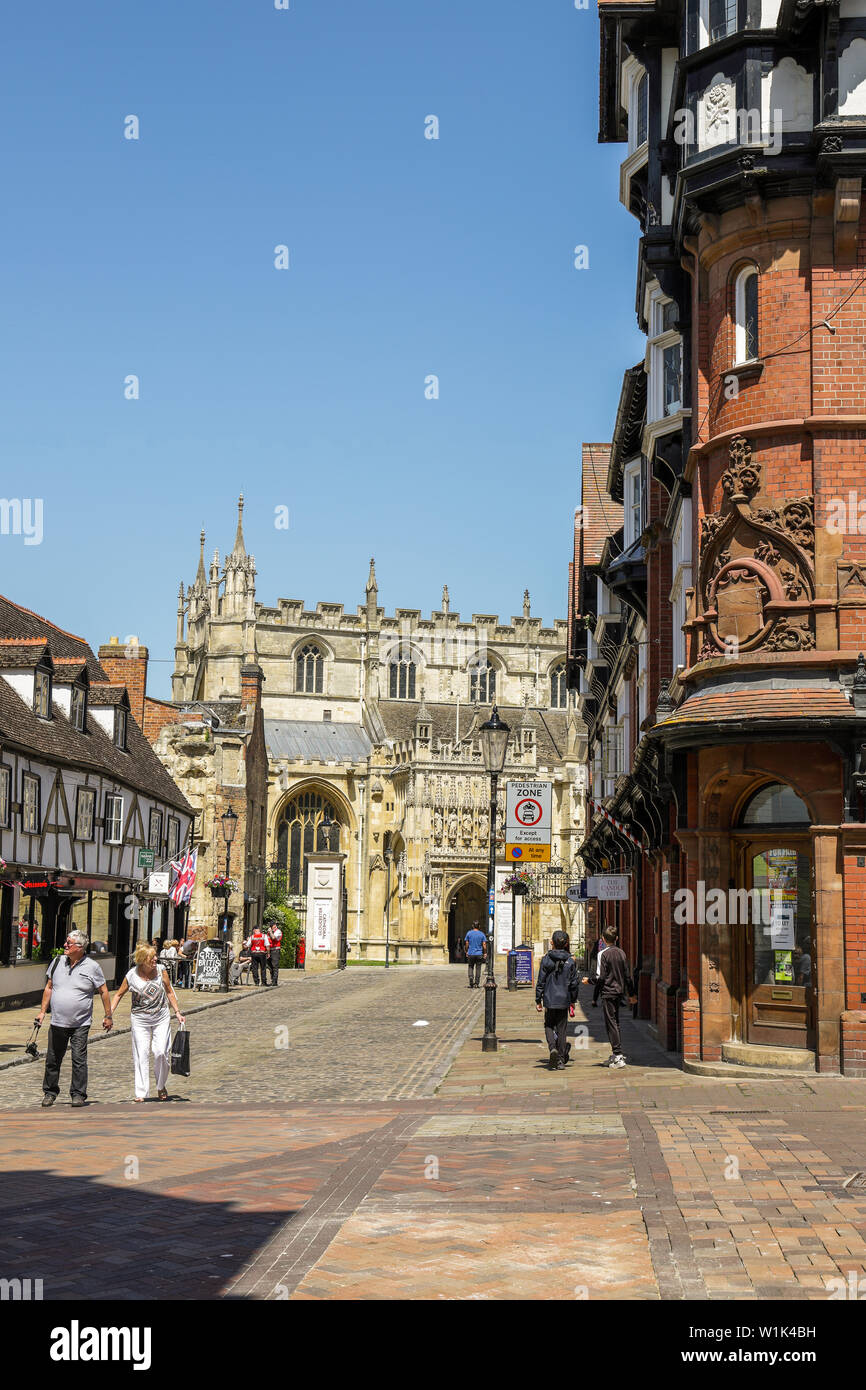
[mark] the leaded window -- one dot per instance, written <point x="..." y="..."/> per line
<point x="42" y="694"/>
<point x="482" y="684"/>
<point x="30" y="810"/>
<point x="308" y="825"/>
<point x="85" y="809"/>
<point x="78" y="708"/>
<point x="401" y="680"/>
<point x="558" y="695"/>
<point x="310" y="670"/>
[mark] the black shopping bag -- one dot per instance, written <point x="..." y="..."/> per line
<point x="180" y="1053"/>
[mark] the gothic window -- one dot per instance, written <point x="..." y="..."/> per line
<point x="557" y="687"/>
<point x="310" y="666"/>
<point x="482" y="684"/>
<point x="746" y="316"/>
<point x="303" y="830"/>
<point x="401" y="680"/>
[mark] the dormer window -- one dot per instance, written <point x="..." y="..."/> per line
<point x="42" y="693"/>
<point x="120" y="728"/>
<point x="78" y="708"/>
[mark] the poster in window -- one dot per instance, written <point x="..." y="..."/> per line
<point x="322" y="924"/>
<point x="784" y="968"/>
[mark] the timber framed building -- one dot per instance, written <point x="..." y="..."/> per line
<point x="81" y="791"/>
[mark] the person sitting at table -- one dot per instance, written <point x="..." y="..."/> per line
<point x="186" y="953"/>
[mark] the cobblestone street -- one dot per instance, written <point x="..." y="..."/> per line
<point x="342" y="1036"/>
<point x="376" y="1160"/>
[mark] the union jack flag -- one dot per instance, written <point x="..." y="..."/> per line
<point x="181" y="889"/>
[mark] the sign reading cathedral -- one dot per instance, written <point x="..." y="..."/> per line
<point x="528" y="821"/>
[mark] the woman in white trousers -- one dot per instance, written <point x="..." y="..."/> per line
<point x="152" y="992"/>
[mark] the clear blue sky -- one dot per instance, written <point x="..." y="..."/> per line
<point x="304" y="388"/>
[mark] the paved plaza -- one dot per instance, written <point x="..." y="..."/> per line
<point x="326" y="1147"/>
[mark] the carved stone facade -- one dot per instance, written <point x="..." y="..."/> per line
<point x="371" y="724"/>
<point x="757" y="567"/>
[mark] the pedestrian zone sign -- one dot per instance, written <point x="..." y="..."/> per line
<point x="528" y="822"/>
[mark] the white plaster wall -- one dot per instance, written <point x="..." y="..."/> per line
<point x="852" y="79"/>
<point x="787" y="88"/>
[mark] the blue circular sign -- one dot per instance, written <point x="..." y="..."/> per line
<point x="516" y="852"/>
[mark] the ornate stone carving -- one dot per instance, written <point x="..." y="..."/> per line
<point x="832" y="144"/>
<point x="743" y="475"/>
<point x="795" y="518"/>
<point x="790" y="635"/>
<point x="753" y="561"/>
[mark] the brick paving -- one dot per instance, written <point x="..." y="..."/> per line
<point x="372" y="1159"/>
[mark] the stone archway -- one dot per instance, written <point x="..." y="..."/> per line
<point x="467" y="905"/>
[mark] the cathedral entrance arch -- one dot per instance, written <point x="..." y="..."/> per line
<point x="468" y="905"/>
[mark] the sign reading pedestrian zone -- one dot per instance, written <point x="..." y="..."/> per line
<point x="528" y="822"/>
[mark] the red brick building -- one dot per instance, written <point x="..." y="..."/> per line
<point x="727" y="735"/>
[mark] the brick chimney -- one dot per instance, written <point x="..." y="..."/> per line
<point x="252" y="680"/>
<point x="127" y="665"/>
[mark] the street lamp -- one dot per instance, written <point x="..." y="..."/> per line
<point x="230" y="824"/>
<point x="494" y="745"/>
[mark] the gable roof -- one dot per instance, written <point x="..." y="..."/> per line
<point x="24" y="632"/>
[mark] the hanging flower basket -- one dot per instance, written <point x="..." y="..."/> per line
<point x="221" y="886"/>
<point x="519" y="883"/>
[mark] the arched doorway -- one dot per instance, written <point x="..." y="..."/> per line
<point x="468" y="905"/>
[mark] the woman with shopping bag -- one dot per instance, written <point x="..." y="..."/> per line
<point x="152" y="992"/>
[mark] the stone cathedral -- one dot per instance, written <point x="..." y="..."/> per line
<point x="377" y="798"/>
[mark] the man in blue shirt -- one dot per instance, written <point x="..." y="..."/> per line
<point x="476" y="950"/>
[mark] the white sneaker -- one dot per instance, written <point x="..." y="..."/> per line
<point x="611" y="1061"/>
<point x="619" y="1061"/>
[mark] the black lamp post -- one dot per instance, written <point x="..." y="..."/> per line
<point x="230" y="825"/>
<point x="494" y="746"/>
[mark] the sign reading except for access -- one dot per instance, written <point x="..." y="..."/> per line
<point x="146" y="858"/>
<point x="528" y="822"/>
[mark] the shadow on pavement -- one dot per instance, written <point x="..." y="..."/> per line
<point x="123" y="1243"/>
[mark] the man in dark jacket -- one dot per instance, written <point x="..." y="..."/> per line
<point x="556" y="992"/>
<point x="616" y="981"/>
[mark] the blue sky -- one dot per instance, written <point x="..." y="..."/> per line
<point x="304" y="388"/>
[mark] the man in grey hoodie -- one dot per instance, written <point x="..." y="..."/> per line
<point x="556" y="991"/>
